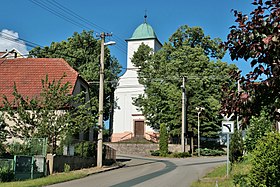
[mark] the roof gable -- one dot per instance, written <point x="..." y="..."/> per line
<point x="28" y="73"/>
<point x="13" y="53"/>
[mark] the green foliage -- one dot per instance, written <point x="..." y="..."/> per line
<point x="32" y="146"/>
<point x="187" y="54"/>
<point x="155" y="153"/>
<point x="82" y="52"/>
<point x="163" y="140"/>
<point x="259" y="126"/>
<point x="51" y="115"/>
<point x="6" y="174"/>
<point x="85" y="149"/>
<point x="265" y="162"/>
<point x="180" y="154"/>
<point x="236" y="147"/>
<point x="3" y="131"/>
<point x="211" y="152"/>
<point x="67" y="168"/>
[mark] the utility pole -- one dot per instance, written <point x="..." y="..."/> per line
<point x="101" y="98"/>
<point x="184" y="117"/>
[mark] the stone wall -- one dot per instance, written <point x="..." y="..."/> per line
<point x="141" y="149"/>
<point x="56" y="163"/>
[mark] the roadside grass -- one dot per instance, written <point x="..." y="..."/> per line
<point x="51" y="179"/>
<point x="217" y="177"/>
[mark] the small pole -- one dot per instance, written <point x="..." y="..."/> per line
<point x="227" y="154"/>
<point x="198" y="134"/>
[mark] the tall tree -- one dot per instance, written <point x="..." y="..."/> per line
<point x="255" y="38"/>
<point x="187" y="54"/>
<point x="82" y="52"/>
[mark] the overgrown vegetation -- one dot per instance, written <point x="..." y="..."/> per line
<point x="259" y="126"/>
<point x="265" y="163"/>
<point x="6" y="174"/>
<point x="236" y="147"/>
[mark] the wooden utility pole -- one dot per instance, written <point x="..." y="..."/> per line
<point x="101" y="100"/>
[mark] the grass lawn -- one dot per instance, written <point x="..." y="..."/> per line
<point x="51" y="179"/>
<point x="218" y="176"/>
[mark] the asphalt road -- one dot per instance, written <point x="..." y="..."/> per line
<point x="150" y="172"/>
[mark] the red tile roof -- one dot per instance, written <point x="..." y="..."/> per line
<point x="28" y="74"/>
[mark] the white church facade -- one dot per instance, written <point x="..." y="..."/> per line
<point x="128" y="122"/>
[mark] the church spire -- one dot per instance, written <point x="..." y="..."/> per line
<point x="145" y="17"/>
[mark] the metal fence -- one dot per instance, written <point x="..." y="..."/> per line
<point x="29" y="167"/>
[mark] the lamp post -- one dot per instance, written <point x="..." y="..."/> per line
<point x="101" y="97"/>
<point x="199" y="110"/>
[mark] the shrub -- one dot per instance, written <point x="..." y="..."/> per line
<point x="155" y="153"/>
<point x="6" y="174"/>
<point x="163" y="140"/>
<point x="85" y="149"/>
<point x="181" y="154"/>
<point x="236" y="147"/>
<point x="265" y="162"/>
<point x="211" y="152"/>
<point x="67" y="168"/>
<point x="259" y="126"/>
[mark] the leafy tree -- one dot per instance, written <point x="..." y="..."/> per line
<point x="255" y="38"/>
<point x="187" y="54"/>
<point x="52" y="115"/>
<point x="259" y="126"/>
<point x="82" y="52"/>
<point x="163" y="140"/>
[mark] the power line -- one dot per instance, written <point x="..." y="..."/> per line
<point x="60" y="11"/>
<point x="32" y="44"/>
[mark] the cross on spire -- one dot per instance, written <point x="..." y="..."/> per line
<point x="145" y="17"/>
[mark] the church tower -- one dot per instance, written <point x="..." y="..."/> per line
<point x="128" y="122"/>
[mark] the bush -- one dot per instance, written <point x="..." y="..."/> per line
<point x="211" y="152"/>
<point x="236" y="147"/>
<point x="155" y="153"/>
<point x="259" y="126"/>
<point x="265" y="162"/>
<point x="6" y="174"/>
<point x="67" y="168"/>
<point x="85" y="149"/>
<point x="163" y="140"/>
<point x="181" y="154"/>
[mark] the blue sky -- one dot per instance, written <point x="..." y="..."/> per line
<point x="27" y="20"/>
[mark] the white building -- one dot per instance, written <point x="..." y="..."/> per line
<point x="128" y="121"/>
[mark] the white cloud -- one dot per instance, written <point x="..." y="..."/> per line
<point x="9" y="40"/>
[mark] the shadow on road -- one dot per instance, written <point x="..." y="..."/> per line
<point x="169" y="166"/>
<point x="122" y="160"/>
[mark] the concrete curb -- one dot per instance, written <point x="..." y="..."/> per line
<point x="105" y="169"/>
